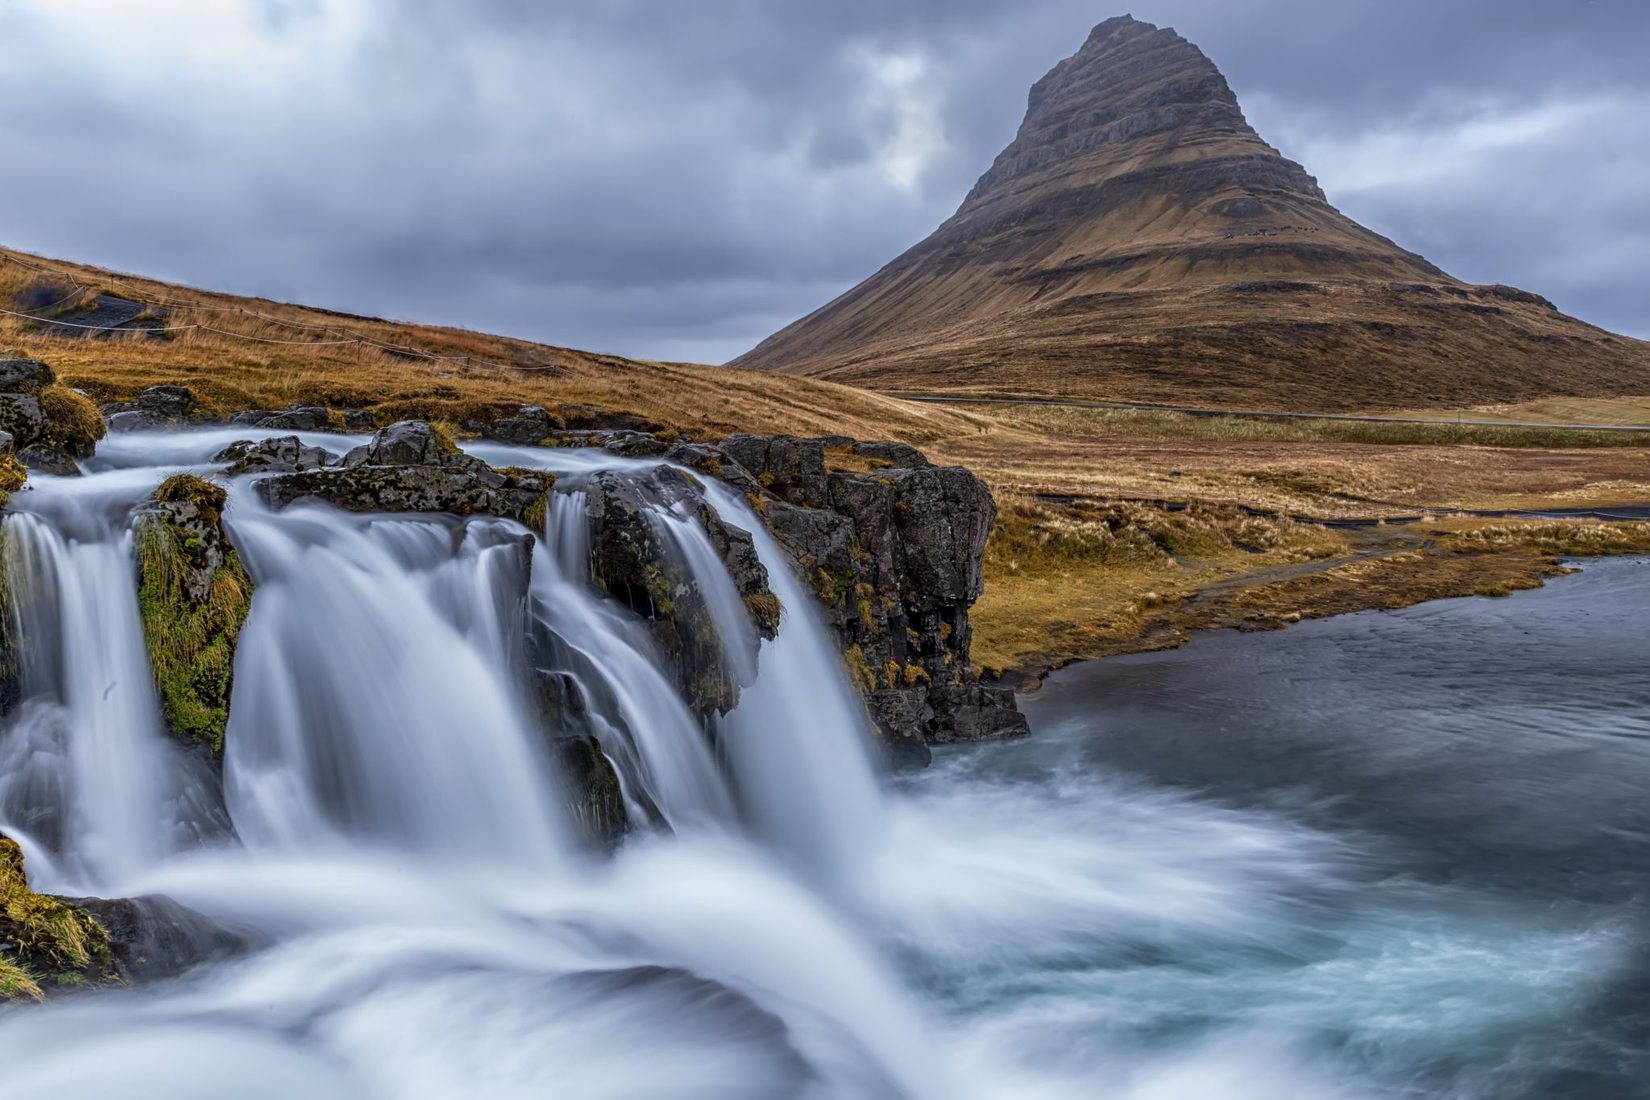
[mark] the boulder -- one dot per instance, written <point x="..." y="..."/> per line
<point x="19" y="375"/>
<point x="156" y="408"/>
<point x="194" y="596"/>
<point x="294" y="418"/>
<point x="281" y="455"/>
<point x="892" y="453"/>
<point x="528" y="428"/>
<point x="22" y="416"/>
<point x="44" y="459"/>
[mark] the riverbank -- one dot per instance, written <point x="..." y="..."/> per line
<point x="1084" y="580"/>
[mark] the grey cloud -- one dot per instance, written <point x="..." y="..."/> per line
<point x="678" y="179"/>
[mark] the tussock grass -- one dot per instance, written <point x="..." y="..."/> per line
<point x="45" y="932"/>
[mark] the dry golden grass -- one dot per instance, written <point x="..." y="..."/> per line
<point x="1631" y="409"/>
<point x="231" y="372"/>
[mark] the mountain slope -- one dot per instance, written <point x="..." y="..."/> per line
<point x="1138" y="240"/>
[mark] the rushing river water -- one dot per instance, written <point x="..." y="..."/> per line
<point x="1381" y="856"/>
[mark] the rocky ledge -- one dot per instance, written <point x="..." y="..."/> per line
<point x="407" y="467"/>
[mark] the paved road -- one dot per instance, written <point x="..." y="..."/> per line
<point x="1264" y="414"/>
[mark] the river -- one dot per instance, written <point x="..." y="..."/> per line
<point x="1387" y="855"/>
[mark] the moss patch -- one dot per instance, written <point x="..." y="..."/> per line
<point x="191" y="637"/>
<point x="50" y="942"/>
<point x="73" y="422"/>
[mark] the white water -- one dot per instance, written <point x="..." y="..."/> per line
<point x="1000" y="927"/>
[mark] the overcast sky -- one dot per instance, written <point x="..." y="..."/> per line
<point x="678" y="178"/>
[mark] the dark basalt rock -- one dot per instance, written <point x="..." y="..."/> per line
<point x="595" y="418"/>
<point x="22" y="416"/>
<point x="295" y="417"/>
<point x="406" y="468"/>
<point x="635" y="561"/>
<point x="43" y="459"/>
<point x="25" y="376"/>
<point x="156" y="408"/>
<point x="282" y="455"/>
<point x="892" y="453"/>
<point x="528" y="428"/>
<point x="896" y="558"/>
<point x="153" y="938"/>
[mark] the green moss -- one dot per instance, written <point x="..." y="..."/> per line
<point x="859" y="670"/>
<point x="189" y="489"/>
<point x="191" y="642"/>
<point x="73" y="423"/>
<point x="45" y="935"/>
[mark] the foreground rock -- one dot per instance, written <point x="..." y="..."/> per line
<point x="50" y="424"/>
<point x="51" y="945"/>
<point x="409" y="467"/>
<point x="194" y="596"/>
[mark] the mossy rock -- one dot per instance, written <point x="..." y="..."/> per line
<point x="73" y="423"/>
<point x="46" y="943"/>
<point x="194" y="596"/>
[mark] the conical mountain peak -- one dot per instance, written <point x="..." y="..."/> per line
<point x="1139" y="240"/>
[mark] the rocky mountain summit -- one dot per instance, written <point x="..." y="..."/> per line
<point x="1138" y="240"/>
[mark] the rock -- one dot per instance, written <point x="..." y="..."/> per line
<point x="404" y="443"/>
<point x="892" y="453"/>
<point x="408" y="467"/>
<point x="593" y="791"/>
<point x="22" y="416"/>
<point x="634" y="559"/>
<point x="46" y="943"/>
<point x="25" y="376"/>
<point x="156" y="408"/>
<point x="792" y="469"/>
<point x="896" y="557"/>
<point x="44" y="459"/>
<point x="358" y="419"/>
<point x="154" y="938"/>
<point x="301" y="418"/>
<point x="594" y="418"/>
<point x="282" y="454"/>
<point x="194" y="596"/>
<point x="528" y="428"/>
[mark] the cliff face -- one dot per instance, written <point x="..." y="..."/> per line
<point x="1138" y="240"/>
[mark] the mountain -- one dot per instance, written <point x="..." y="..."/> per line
<point x="1139" y="241"/>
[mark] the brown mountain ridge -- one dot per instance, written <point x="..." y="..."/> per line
<point x="1139" y="241"/>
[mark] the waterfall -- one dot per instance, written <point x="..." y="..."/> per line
<point x="89" y="783"/>
<point x="375" y="697"/>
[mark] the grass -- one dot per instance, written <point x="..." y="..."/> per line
<point x="46" y="934"/>
<point x="73" y="422"/>
<point x="1164" y="424"/>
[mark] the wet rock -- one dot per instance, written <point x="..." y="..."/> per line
<point x="593" y="792"/>
<point x="153" y="938"/>
<point x="896" y="556"/>
<point x="294" y="418"/>
<point x="44" y="459"/>
<point x="283" y="454"/>
<point x="47" y="944"/>
<point x="194" y="597"/>
<point x="634" y="559"/>
<point x="409" y="467"/>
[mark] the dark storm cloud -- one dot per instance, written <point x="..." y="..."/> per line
<point x="678" y="179"/>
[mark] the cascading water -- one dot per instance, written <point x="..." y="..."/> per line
<point x="421" y="923"/>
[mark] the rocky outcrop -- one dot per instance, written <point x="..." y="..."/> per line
<point x="896" y="558"/>
<point x="410" y="467"/>
<point x="194" y="597"/>
<point x="50" y="424"/>
<point x="533" y="425"/>
<point x="296" y="417"/>
<point x="638" y="560"/>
